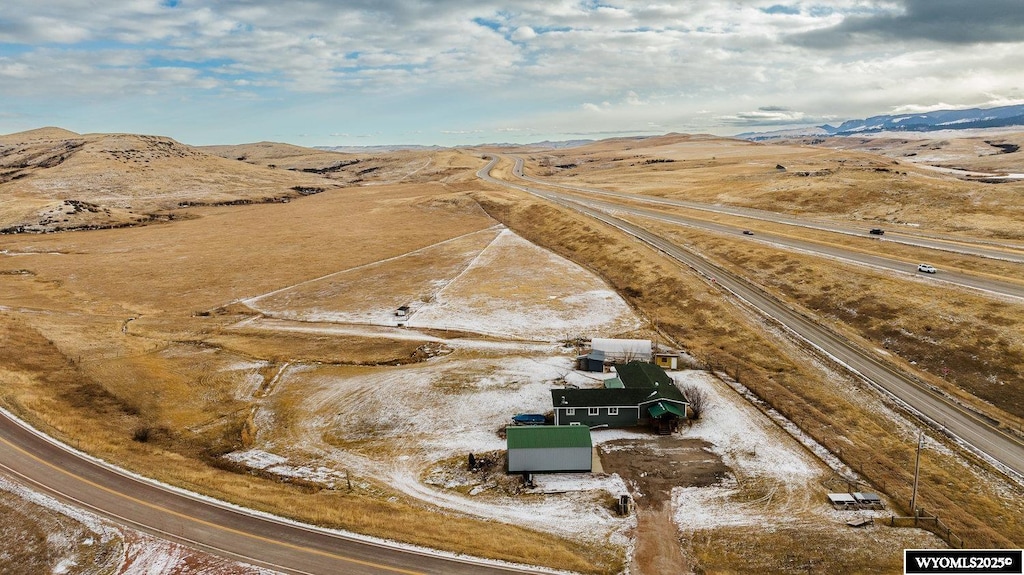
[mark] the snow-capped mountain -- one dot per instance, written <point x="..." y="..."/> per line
<point x="923" y="122"/>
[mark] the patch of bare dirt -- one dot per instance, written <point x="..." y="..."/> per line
<point x="651" y="468"/>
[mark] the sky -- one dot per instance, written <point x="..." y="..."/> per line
<point x="463" y="72"/>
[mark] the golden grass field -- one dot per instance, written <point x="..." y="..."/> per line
<point x="133" y="343"/>
<point x="692" y="313"/>
<point x="846" y="185"/>
<point x="992" y="152"/>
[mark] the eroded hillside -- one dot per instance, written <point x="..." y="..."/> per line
<point x="54" y="180"/>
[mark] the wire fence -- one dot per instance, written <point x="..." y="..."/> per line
<point x="931" y="523"/>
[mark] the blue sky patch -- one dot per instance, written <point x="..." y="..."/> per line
<point x="780" y="9"/>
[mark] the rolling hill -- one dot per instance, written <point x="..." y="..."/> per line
<point x="53" y="179"/>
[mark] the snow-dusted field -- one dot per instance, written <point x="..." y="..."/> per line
<point x="515" y="289"/>
<point x="411" y="427"/>
<point x="489" y="282"/>
<point x="398" y="423"/>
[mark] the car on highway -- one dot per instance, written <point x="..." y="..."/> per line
<point x="926" y="268"/>
<point x="748" y="233"/>
<point x="876" y="231"/>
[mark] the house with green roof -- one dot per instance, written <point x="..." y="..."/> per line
<point x="640" y="394"/>
<point x="549" y="448"/>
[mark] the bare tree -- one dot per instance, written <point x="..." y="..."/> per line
<point x="628" y="354"/>
<point x="697" y="397"/>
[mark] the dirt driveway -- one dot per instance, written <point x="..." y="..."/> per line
<point x="651" y="467"/>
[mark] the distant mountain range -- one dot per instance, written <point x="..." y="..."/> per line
<point x="973" y="118"/>
<point x="407" y="147"/>
<point x="379" y="149"/>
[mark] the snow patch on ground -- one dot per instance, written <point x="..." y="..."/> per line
<point x="448" y="407"/>
<point x="504" y="287"/>
<point x="558" y="298"/>
<point x="256" y="458"/>
<point x="137" y="553"/>
<point x="765" y="460"/>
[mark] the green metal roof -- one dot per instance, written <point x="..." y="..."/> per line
<point x="642" y="375"/>
<point x="661" y="408"/>
<point x="641" y="383"/>
<point x="548" y="436"/>
<point x="622" y="397"/>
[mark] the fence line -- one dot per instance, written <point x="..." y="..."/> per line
<point x="931" y="523"/>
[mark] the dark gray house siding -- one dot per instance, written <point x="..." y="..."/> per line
<point x="626" y="416"/>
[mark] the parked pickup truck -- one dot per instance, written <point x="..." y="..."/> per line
<point x="529" y="419"/>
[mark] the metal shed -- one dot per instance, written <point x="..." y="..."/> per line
<point x="842" y="501"/>
<point x="593" y="361"/>
<point x="868" y="500"/>
<point x="549" y="448"/>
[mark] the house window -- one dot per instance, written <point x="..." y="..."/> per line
<point x="594" y="411"/>
<point x="613" y="411"/>
<point x="570" y="411"/>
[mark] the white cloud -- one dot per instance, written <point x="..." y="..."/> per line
<point x="705" y="66"/>
<point x="523" y="33"/>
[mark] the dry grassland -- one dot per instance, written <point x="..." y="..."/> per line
<point x="233" y="253"/>
<point x="843" y="185"/>
<point x="127" y="344"/>
<point x="993" y="153"/>
<point x="165" y="393"/>
<point x="369" y="168"/>
<point x="694" y="314"/>
<point x="795" y="550"/>
<point x="1000" y="270"/>
<point x="371" y="293"/>
<point x="34" y="539"/>
<point x="99" y="347"/>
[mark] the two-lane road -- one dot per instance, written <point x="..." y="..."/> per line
<point x="201" y="523"/>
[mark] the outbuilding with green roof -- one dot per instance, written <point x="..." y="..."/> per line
<point x="549" y="448"/>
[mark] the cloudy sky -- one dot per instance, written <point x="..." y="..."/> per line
<point x="449" y="72"/>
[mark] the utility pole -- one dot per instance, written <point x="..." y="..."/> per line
<point x="917" y="473"/>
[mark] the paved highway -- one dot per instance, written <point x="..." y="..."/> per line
<point x="986" y="285"/>
<point x="1004" y="449"/>
<point x="983" y="248"/>
<point x="45" y="466"/>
